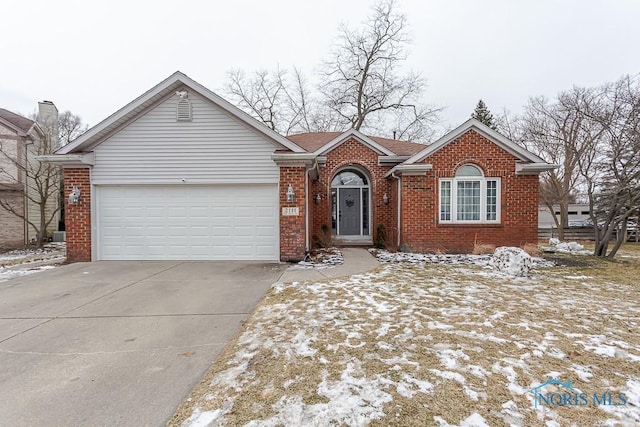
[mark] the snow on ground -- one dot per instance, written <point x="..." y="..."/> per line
<point x="28" y="261"/>
<point x="7" y="274"/>
<point x="419" y="343"/>
<point x="21" y="255"/>
<point x="450" y="259"/>
<point x="320" y="259"/>
<point x="574" y="248"/>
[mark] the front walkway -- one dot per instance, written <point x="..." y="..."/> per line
<point x="356" y="260"/>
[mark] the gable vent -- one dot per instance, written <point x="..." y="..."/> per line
<point x="183" y="109"/>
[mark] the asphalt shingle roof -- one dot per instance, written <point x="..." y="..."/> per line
<point x="313" y="140"/>
<point x="22" y="123"/>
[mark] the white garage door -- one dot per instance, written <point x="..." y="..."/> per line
<point x="222" y="222"/>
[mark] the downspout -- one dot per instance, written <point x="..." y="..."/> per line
<point x="306" y="208"/>
<point x="399" y="207"/>
<point x="306" y="213"/>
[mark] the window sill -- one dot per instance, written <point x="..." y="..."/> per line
<point x="470" y="224"/>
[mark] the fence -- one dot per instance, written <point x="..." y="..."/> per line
<point x="582" y="233"/>
<point x="570" y="233"/>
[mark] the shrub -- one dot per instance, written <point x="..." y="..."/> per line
<point x="381" y="237"/>
<point x="483" y="249"/>
<point x="325" y="240"/>
<point x="532" y="249"/>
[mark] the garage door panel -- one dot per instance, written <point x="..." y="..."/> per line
<point x="187" y="222"/>
<point x="222" y="231"/>
<point x="264" y="231"/>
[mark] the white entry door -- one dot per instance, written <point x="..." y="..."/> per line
<point x="158" y="222"/>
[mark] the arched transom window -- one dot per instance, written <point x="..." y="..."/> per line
<point x="469" y="197"/>
<point x="349" y="178"/>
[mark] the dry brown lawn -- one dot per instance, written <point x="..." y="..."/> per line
<point x="429" y="344"/>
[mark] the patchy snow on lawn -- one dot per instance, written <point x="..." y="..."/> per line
<point x="19" y="256"/>
<point x="321" y="259"/>
<point x="574" y="248"/>
<point x="23" y="262"/>
<point x="447" y="259"/>
<point x="6" y="273"/>
<point x="418" y="343"/>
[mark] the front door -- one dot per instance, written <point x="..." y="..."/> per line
<point x="350" y="204"/>
<point x="349" y="211"/>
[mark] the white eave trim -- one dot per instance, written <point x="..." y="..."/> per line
<point x="136" y="107"/>
<point x="408" y="170"/>
<point x="500" y="140"/>
<point x="533" y="168"/>
<point x="294" y="159"/>
<point x="385" y="160"/>
<point x="358" y="135"/>
<point x="81" y="160"/>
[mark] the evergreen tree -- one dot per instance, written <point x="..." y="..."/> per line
<point x="483" y="115"/>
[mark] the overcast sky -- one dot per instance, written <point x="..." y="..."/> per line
<point x="94" y="57"/>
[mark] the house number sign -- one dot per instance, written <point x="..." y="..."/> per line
<point x="290" y="211"/>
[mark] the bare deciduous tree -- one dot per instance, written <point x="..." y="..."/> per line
<point x="611" y="168"/>
<point x="361" y="88"/>
<point x="279" y="99"/>
<point x="41" y="181"/>
<point x="70" y="127"/>
<point x="593" y="134"/>
<point x="362" y="82"/>
<point x="560" y="133"/>
<point x="41" y="185"/>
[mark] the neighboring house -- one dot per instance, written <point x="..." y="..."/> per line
<point x="18" y="138"/>
<point x="577" y="215"/>
<point x="180" y="173"/>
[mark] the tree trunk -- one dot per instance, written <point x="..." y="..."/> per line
<point x="620" y="238"/>
<point x="563" y="218"/>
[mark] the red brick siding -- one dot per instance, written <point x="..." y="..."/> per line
<point x="352" y="152"/>
<point x="519" y="200"/>
<point x="77" y="218"/>
<point x="292" y="228"/>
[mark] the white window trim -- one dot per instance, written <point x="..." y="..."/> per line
<point x="483" y="200"/>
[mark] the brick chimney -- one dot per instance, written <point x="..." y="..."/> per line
<point x="48" y="120"/>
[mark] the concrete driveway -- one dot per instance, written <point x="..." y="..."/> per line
<point x="117" y="343"/>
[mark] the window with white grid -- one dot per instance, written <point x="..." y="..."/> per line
<point x="469" y="197"/>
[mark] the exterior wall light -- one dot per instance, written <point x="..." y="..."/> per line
<point x="74" y="196"/>
<point x="290" y="194"/>
<point x="318" y="198"/>
<point x="385" y="199"/>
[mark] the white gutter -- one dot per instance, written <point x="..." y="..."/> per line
<point x="533" y="168"/>
<point x="85" y="159"/>
<point x="293" y="158"/>
<point x="419" y="169"/>
<point x="383" y="160"/>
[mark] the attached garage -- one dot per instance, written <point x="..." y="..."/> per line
<point x="176" y="174"/>
<point x="190" y="222"/>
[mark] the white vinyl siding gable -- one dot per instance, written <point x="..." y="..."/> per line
<point x="213" y="148"/>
